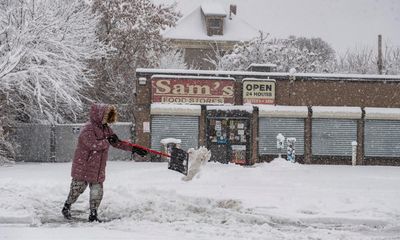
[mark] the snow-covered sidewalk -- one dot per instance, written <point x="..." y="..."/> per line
<point x="278" y="200"/>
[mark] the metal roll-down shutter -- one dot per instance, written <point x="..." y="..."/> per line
<point x="269" y="128"/>
<point x="333" y="137"/>
<point x="382" y="138"/>
<point x="185" y="128"/>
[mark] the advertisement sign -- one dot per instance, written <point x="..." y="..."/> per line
<point x="260" y="91"/>
<point x="192" y="90"/>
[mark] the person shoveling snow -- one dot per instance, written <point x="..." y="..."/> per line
<point x="197" y="158"/>
<point x="89" y="163"/>
<point x="91" y="154"/>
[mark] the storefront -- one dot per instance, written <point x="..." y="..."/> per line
<point x="333" y="131"/>
<point x="176" y="113"/>
<point x="238" y="114"/>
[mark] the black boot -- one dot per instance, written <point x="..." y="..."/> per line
<point x="66" y="211"/>
<point x="93" y="216"/>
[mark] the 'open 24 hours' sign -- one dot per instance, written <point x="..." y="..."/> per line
<point x="259" y="91"/>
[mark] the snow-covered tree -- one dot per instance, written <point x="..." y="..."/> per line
<point x="357" y="61"/>
<point x="306" y="55"/>
<point x="132" y="28"/>
<point x="364" y="61"/>
<point x="391" y="60"/>
<point x="172" y="59"/>
<point x="44" y="45"/>
<point x="315" y="45"/>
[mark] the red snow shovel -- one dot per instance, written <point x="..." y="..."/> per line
<point x="178" y="160"/>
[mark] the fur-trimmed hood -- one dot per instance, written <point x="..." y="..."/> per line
<point x="110" y="115"/>
<point x="102" y="113"/>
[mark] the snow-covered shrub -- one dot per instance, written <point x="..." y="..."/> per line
<point x="358" y="60"/>
<point x="7" y="154"/>
<point x="172" y="59"/>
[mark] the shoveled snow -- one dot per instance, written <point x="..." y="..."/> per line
<point x="165" y="141"/>
<point x="277" y="200"/>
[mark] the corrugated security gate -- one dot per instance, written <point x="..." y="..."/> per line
<point x="382" y="132"/>
<point x="269" y="128"/>
<point x="185" y="128"/>
<point x="333" y="137"/>
<point x="382" y="138"/>
<point x="334" y="129"/>
<point x="287" y="120"/>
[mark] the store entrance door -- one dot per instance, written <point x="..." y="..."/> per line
<point x="229" y="139"/>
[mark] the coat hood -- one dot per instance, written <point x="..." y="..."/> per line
<point x="103" y="113"/>
<point x="97" y="112"/>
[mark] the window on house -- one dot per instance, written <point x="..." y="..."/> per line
<point x="215" y="26"/>
<point x="215" y="23"/>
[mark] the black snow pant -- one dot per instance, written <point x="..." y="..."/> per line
<point x="78" y="187"/>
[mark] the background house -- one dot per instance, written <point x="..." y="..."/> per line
<point x="208" y="29"/>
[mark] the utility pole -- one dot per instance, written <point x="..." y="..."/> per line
<point x="380" y="61"/>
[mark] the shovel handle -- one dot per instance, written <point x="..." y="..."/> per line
<point x="144" y="148"/>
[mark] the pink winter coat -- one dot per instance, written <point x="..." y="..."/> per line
<point x="91" y="154"/>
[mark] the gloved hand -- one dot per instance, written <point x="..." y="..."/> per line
<point x="139" y="151"/>
<point x="113" y="139"/>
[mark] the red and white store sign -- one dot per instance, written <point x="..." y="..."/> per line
<point x="188" y="90"/>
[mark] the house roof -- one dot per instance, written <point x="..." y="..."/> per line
<point x="213" y="9"/>
<point x="192" y="27"/>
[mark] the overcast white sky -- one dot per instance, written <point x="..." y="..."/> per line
<point x="343" y="23"/>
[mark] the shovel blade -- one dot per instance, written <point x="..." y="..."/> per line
<point x="179" y="161"/>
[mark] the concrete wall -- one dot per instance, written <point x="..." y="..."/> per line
<point x="124" y="132"/>
<point x="66" y="139"/>
<point x="34" y="142"/>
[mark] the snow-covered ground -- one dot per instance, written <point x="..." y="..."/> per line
<point x="278" y="200"/>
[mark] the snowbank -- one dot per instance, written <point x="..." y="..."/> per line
<point x="277" y="200"/>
